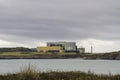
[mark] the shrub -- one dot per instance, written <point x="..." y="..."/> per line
<point x="29" y="73"/>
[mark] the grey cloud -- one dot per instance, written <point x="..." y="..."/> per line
<point x="60" y="19"/>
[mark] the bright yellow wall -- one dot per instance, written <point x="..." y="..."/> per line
<point x="47" y="48"/>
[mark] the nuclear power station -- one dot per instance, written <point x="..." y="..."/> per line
<point x="60" y="47"/>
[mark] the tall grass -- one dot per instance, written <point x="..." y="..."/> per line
<point x="31" y="73"/>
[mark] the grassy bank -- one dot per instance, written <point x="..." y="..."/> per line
<point x="30" y="73"/>
<point x="36" y="55"/>
<point x="104" y="56"/>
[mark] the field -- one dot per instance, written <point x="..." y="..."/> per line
<point x="17" y="53"/>
<point x="36" y="55"/>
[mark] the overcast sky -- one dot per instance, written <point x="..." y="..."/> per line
<point x="31" y="23"/>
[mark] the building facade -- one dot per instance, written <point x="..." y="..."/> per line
<point x="53" y="49"/>
<point x="81" y="50"/>
<point x="67" y="46"/>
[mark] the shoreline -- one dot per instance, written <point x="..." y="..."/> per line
<point x="36" y="55"/>
<point x="53" y="58"/>
<point x="31" y="74"/>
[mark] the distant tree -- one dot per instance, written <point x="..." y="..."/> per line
<point x="17" y="49"/>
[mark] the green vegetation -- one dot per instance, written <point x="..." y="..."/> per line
<point x="17" y="53"/>
<point x="105" y="56"/>
<point x="36" y="55"/>
<point x="30" y="73"/>
<point x="16" y="49"/>
<point x="26" y="53"/>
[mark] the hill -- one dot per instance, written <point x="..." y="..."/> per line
<point x="105" y="56"/>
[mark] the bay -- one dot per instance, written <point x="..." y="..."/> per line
<point x="44" y="65"/>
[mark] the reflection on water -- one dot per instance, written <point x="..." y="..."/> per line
<point x="97" y="66"/>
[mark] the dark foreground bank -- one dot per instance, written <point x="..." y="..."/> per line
<point x="59" y="76"/>
<point x="30" y="73"/>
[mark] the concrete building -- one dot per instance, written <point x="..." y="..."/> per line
<point x="53" y="49"/>
<point x="81" y="50"/>
<point x="67" y="46"/>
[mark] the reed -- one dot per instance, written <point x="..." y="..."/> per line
<point x="31" y="73"/>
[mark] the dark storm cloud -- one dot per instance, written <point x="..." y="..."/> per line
<point x="60" y="19"/>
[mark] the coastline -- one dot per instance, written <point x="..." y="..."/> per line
<point x="35" y="55"/>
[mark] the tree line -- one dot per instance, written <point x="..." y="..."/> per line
<point x="16" y="49"/>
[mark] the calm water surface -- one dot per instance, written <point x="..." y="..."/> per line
<point x="97" y="66"/>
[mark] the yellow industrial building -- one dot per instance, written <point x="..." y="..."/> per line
<point x="53" y="49"/>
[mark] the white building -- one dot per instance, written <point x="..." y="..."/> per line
<point x="68" y="46"/>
